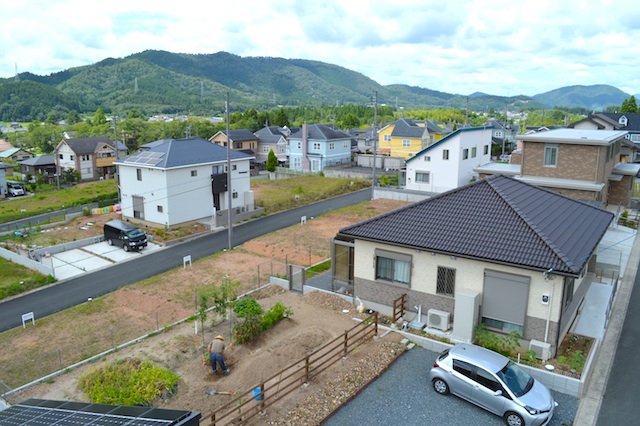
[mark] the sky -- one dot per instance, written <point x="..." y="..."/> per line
<point x="504" y="48"/>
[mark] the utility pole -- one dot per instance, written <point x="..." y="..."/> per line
<point x="229" y="194"/>
<point x="375" y="143"/>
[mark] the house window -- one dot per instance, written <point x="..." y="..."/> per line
<point x="299" y="145"/>
<point x="234" y="167"/>
<point x="465" y="153"/>
<point x="216" y="170"/>
<point x="568" y="293"/>
<point x="194" y="173"/>
<point x="474" y="152"/>
<point x="427" y="158"/>
<point x="84" y="158"/>
<point x="623" y="120"/>
<point x="282" y="149"/>
<point x="485" y="150"/>
<point x="265" y="149"/>
<point x="393" y="267"/>
<point x="71" y="157"/>
<point x="60" y="156"/>
<point x="159" y="209"/>
<point x="445" y="154"/>
<point x="237" y="145"/>
<point x="345" y="144"/>
<point x="316" y="146"/>
<point x="234" y="194"/>
<point x="387" y="138"/>
<point x="446" y="281"/>
<point x="551" y="155"/>
<point x="139" y="174"/>
<point x="423" y="177"/>
<point x="332" y="145"/>
<point x="406" y="143"/>
<point x="297" y="163"/>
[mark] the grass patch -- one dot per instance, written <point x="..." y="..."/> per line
<point x="128" y="382"/>
<point x="16" y="279"/>
<point x="44" y="202"/>
<point x="287" y="194"/>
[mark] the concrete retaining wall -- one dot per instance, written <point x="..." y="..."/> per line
<point x="25" y="261"/>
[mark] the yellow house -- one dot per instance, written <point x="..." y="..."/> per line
<point x="406" y="137"/>
<point x="241" y="139"/>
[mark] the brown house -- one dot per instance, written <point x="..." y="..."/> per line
<point x="584" y="164"/>
<point x="241" y="139"/>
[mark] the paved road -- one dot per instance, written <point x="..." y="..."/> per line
<point x="77" y="290"/>
<point x="620" y="400"/>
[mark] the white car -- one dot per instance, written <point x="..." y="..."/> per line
<point x="493" y="382"/>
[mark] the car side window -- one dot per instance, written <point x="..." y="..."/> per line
<point x="462" y="367"/>
<point x="484" y="378"/>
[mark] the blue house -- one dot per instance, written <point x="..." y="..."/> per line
<point x="317" y="146"/>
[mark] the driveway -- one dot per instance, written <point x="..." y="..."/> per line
<point x="71" y="263"/>
<point x="403" y="395"/>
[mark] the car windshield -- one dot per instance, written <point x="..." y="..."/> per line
<point x="135" y="233"/>
<point x="516" y="379"/>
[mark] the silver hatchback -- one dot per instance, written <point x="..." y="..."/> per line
<point x="493" y="382"/>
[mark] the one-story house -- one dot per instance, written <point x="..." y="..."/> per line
<point x="498" y="252"/>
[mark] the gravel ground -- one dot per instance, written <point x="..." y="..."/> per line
<point x="402" y="395"/>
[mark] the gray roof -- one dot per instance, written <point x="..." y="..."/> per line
<point x="40" y="160"/>
<point x="407" y="128"/>
<point x="497" y="219"/>
<point x="633" y="120"/>
<point x="170" y="153"/>
<point x="90" y="145"/>
<point x="321" y="132"/>
<point x="240" y="135"/>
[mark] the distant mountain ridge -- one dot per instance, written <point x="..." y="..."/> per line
<point x="156" y="81"/>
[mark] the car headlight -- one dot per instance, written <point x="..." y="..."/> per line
<point x="532" y="410"/>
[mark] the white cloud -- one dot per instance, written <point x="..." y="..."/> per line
<point x="500" y="47"/>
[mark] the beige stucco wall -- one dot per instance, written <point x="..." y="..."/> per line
<point x="469" y="275"/>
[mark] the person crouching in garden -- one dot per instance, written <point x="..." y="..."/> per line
<point x="216" y="348"/>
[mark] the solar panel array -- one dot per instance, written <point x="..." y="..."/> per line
<point x="148" y="158"/>
<point x="39" y="412"/>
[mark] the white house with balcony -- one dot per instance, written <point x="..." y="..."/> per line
<point x="169" y="182"/>
<point x="449" y="162"/>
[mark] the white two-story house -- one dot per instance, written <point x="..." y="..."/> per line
<point x="449" y="162"/>
<point x="169" y="182"/>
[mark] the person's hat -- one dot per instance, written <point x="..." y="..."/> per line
<point x="219" y="337"/>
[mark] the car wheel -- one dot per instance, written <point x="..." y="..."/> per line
<point x="125" y="247"/>
<point x="440" y="386"/>
<point x="513" y="419"/>
<point x="110" y="241"/>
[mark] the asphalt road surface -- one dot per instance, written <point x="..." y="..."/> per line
<point x="91" y="285"/>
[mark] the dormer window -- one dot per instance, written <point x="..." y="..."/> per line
<point x="623" y="121"/>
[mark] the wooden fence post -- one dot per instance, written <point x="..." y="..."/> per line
<point x="346" y="341"/>
<point x="306" y="360"/>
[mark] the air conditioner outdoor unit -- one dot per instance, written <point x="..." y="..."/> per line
<point x="438" y="319"/>
<point x="541" y="349"/>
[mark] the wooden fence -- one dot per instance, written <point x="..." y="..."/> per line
<point x="257" y="399"/>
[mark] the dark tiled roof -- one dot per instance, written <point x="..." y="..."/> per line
<point x="87" y="145"/>
<point x="39" y="160"/>
<point x="240" y="135"/>
<point x="182" y="152"/>
<point x="497" y="219"/>
<point x="406" y="128"/>
<point x="321" y="132"/>
<point x="633" y="120"/>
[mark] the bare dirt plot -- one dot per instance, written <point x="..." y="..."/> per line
<point x="146" y="306"/>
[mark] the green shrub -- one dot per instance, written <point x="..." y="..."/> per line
<point x="247" y="307"/>
<point x="275" y="314"/>
<point x="128" y="382"/>
<point x="504" y="345"/>
<point x="248" y="329"/>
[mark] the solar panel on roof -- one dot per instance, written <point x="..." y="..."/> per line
<point x="36" y="412"/>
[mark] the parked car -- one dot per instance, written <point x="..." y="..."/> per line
<point x="125" y="235"/>
<point x="15" y="189"/>
<point x="493" y="382"/>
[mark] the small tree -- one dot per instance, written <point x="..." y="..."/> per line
<point x="272" y="161"/>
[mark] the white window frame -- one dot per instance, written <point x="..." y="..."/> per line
<point x="550" y="155"/>
<point x="406" y="143"/>
<point x="423" y="177"/>
<point x="445" y="154"/>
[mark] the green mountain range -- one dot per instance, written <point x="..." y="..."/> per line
<point x="163" y="82"/>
